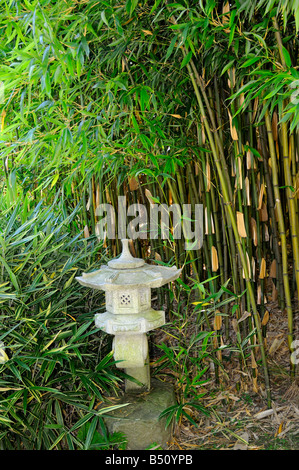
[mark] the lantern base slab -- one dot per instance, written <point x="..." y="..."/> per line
<point x="139" y="421"/>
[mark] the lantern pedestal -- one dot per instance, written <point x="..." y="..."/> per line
<point x="130" y="344"/>
<point x="142" y="374"/>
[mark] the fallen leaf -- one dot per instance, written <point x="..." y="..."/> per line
<point x="244" y="316"/>
<point x="242" y="442"/>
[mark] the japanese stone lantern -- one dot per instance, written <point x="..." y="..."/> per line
<point x="127" y="282"/>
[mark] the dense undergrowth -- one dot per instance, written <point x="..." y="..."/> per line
<point x="159" y="102"/>
<point x="55" y="367"/>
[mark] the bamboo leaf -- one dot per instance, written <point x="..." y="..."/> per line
<point x="250" y="61"/>
<point x="12" y="276"/>
<point x="287" y="57"/>
<point x="186" y="59"/>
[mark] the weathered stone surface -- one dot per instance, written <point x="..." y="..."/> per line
<point x="134" y="324"/>
<point x="140" y="421"/>
<point x="109" y="279"/>
<point x="142" y="374"/>
<point x="127" y="282"/>
<point x="126" y="260"/>
<point x="131" y="352"/>
<point x="128" y="274"/>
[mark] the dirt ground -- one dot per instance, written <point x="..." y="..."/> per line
<point x="244" y="422"/>
<point x="239" y="416"/>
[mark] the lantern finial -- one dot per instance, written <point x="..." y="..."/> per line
<point x="126" y="260"/>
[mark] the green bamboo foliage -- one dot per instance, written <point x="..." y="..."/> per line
<point x="171" y="103"/>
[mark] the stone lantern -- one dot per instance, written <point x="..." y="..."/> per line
<point x="127" y="282"/>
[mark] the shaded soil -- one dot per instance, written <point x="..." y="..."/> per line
<point x="239" y="418"/>
<point x="243" y="421"/>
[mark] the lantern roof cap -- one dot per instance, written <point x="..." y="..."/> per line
<point x="127" y="271"/>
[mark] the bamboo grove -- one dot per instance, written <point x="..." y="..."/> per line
<point x="188" y="101"/>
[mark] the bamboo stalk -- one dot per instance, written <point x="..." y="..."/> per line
<point x="287" y="173"/>
<point x="270" y="197"/>
<point x="231" y="215"/>
<point x="281" y="228"/>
